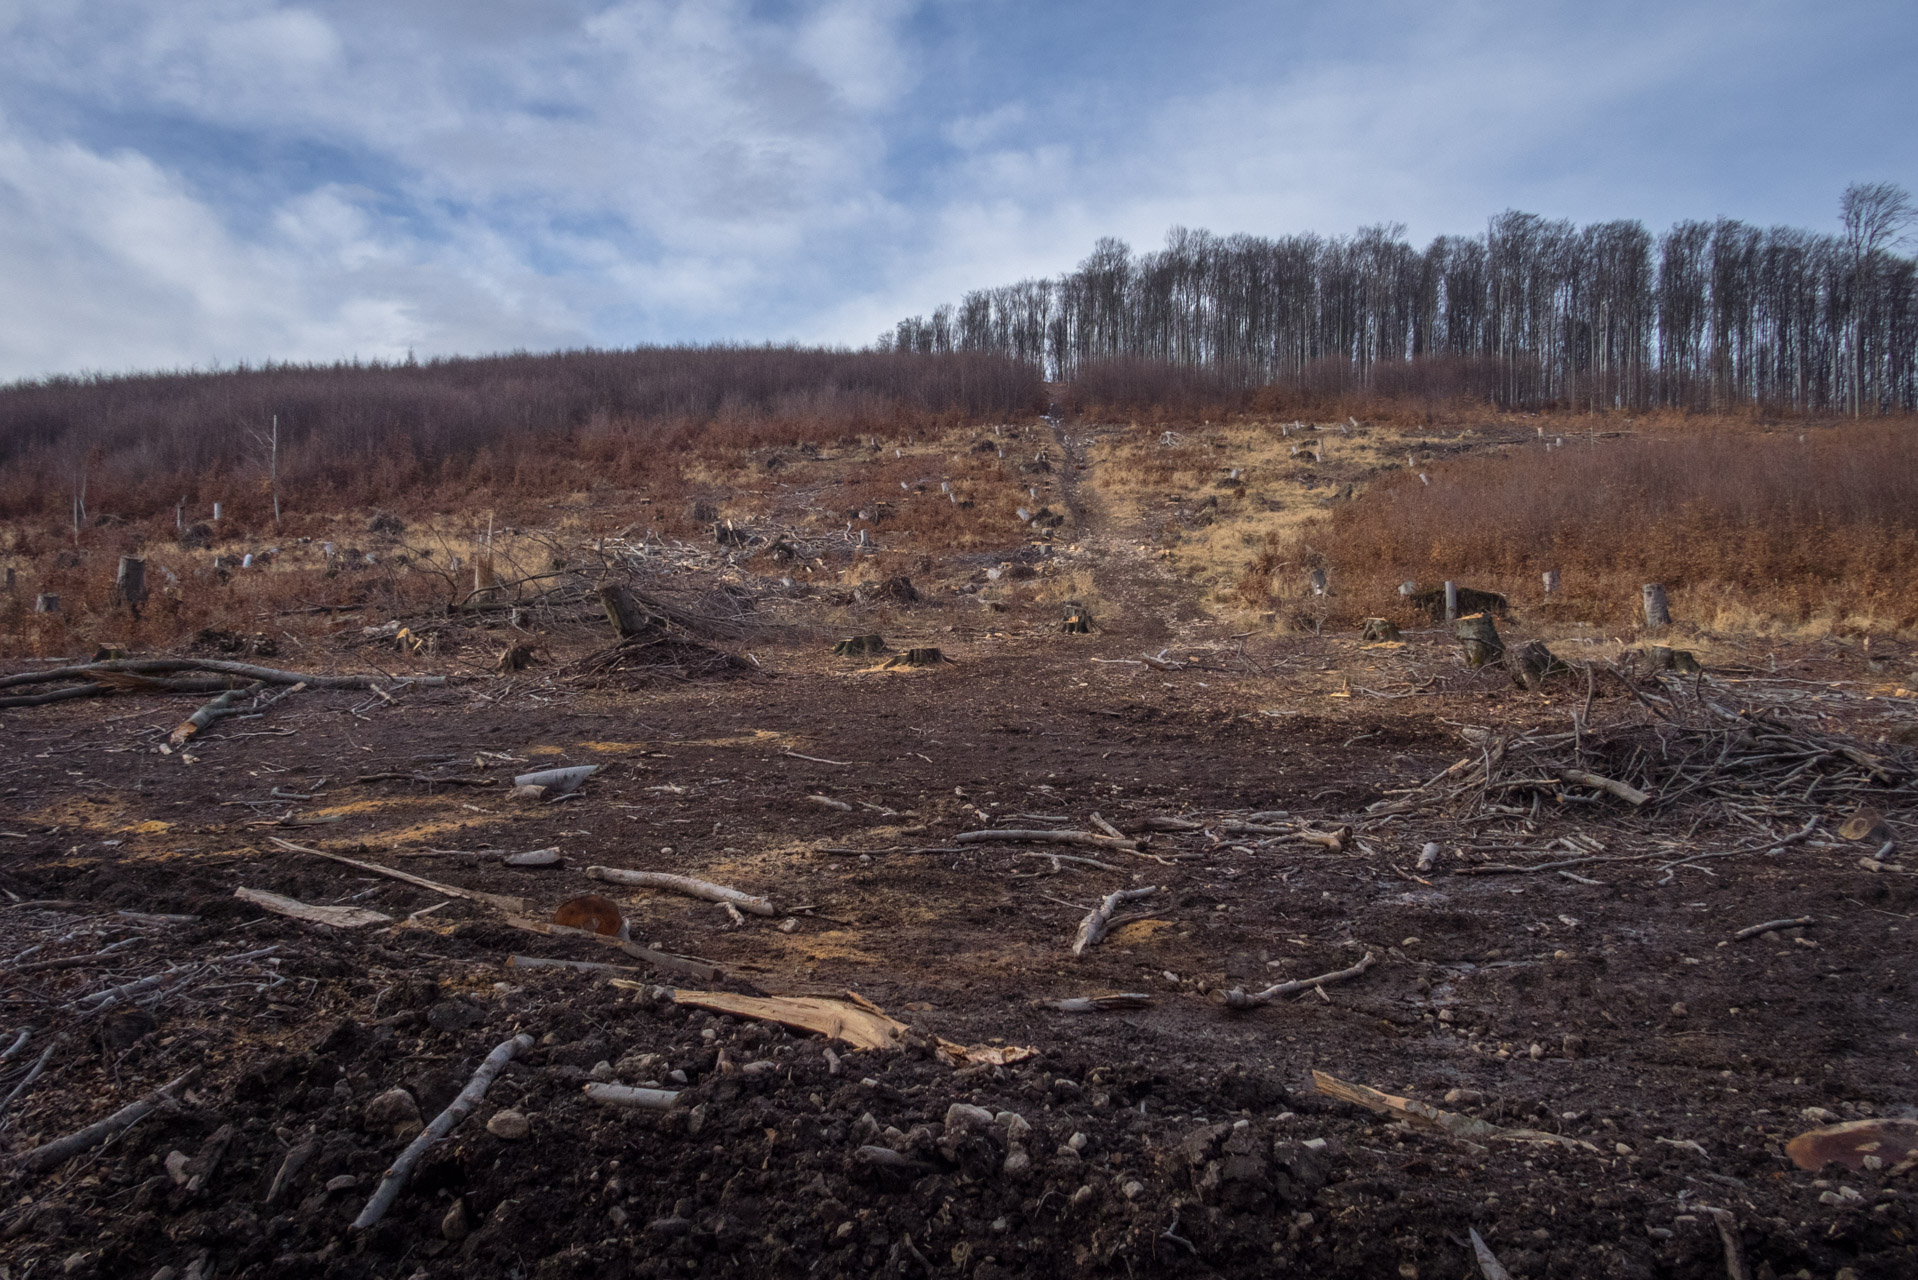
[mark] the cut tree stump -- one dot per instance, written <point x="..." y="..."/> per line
<point x="628" y="616"/>
<point x="919" y="658"/>
<point x="1378" y="630"/>
<point x="1532" y="664"/>
<point x="860" y="646"/>
<point x="1658" y="611"/>
<point x="1078" y="620"/>
<point x="46" y="602"/>
<point x="1479" y="636"/>
<point x="130" y="584"/>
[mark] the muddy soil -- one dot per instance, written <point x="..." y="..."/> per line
<point x="1612" y="1007"/>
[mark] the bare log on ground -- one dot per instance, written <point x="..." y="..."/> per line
<point x="1093" y="928"/>
<point x="683" y="884"/>
<point x="395" y="1180"/>
<point x="1237" y="998"/>
<point x="632" y="1098"/>
<point x="1623" y="790"/>
<point x="1103" y="1004"/>
<point x="223" y="705"/>
<point x="1488" y="1264"/>
<point x="1010" y="836"/>
<point x="1752" y="931"/>
<point x="293" y="908"/>
<point x="512" y="906"/>
<point x="60" y="1150"/>
<point x="245" y="670"/>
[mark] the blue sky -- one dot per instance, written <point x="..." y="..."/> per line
<point x="208" y="181"/>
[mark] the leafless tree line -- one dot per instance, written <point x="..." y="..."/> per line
<point x="1709" y="315"/>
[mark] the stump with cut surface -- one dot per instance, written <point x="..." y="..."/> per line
<point x="628" y="616"/>
<point x="130" y="584"/>
<point x="860" y="646"/>
<point x="1665" y="658"/>
<point x="1078" y="620"/>
<point x="918" y="658"/>
<point x="1479" y="636"/>
<point x="1532" y="664"/>
<point x="1378" y="630"/>
<point x="1657" y="611"/>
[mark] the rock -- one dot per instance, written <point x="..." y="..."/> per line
<point x="1018" y="1163"/>
<point x="455" y="1225"/>
<point x="962" y="1116"/>
<point x="1082" y="1197"/>
<point x="394" y="1112"/>
<point x="176" y="1162"/>
<point x="509" y="1125"/>
<point x="602" y="1071"/>
<point x="637" y="1066"/>
<point x="1014" y="1124"/>
<point x="1133" y="1190"/>
<point x="1078" y="1142"/>
<point x="1818" y="1115"/>
<point x="671" y="1228"/>
<point x="618" y="1217"/>
<point x="1574" y="1046"/>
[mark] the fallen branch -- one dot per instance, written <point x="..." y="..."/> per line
<point x="1238" y="999"/>
<point x="513" y="906"/>
<point x="148" y="666"/>
<point x="1057" y="858"/>
<point x="1735" y="1268"/>
<point x="704" y="970"/>
<point x="1752" y="931"/>
<point x="1488" y="1264"/>
<point x="469" y="1097"/>
<point x="1422" y="1115"/>
<point x="60" y="1150"/>
<point x="39" y="1065"/>
<point x="683" y="884"/>
<point x="216" y="709"/>
<point x="296" y="1158"/>
<point x="625" y="1095"/>
<point x="1014" y="836"/>
<point x="1623" y="790"/>
<point x="1093" y="928"/>
<point x="1103" y="1004"/>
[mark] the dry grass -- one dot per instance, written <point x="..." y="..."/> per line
<point x="1748" y="529"/>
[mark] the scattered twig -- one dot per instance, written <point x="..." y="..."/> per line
<point x="1238" y="999"/>
<point x="683" y="884"/>
<point x="1752" y="931"/>
<point x="1093" y="928"/>
<point x="514" y="906"/>
<point x="60" y="1150"/>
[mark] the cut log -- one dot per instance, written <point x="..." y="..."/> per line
<point x="1092" y="930"/>
<point x="1657" y="611"/>
<point x="337" y="917"/>
<point x="628" y="616"/>
<point x="1078" y="620"/>
<point x="534" y="858"/>
<point x="1478" y="635"/>
<point x="60" y="1150"/>
<point x="223" y="705"/>
<point x="395" y="1180"/>
<point x="557" y="781"/>
<point x="1103" y="1004"/>
<point x="632" y="1098"/>
<point x="683" y="884"/>
<point x="1451" y="601"/>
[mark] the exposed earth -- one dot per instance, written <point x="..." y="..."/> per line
<point x="1610" y="1006"/>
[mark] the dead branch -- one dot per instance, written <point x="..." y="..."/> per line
<point x="1624" y="791"/>
<point x="1238" y="999"/>
<point x="1752" y="931"/>
<point x="1093" y="928"/>
<point x="1057" y="858"/>
<point x="296" y="1158"/>
<point x="578" y="966"/>
<point x="1735" y="1267"/>
<point x="1084" y="838"/>
<point x="512" y="906"/>
<point x="40" y="1064"/>
<point x="60" y="1150"/>
<point x="221" y="706"/>
<point x="338" y="917"/>
<point x="149" y="666"/>
<point x="683" y="884"/>
<point x="1488" y="1264"/>
<point x="1103" y="1004"/>
<point x="462" y="1106"/>
<point x="704" y="970"/>
<point x="1423" y="1115"/>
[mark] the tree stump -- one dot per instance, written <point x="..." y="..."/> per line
<point x="46" y="602"/>
<point x="1378" y="630"/>
<point x="1451" y="601"/>
<point x="1657" y="611"/>
<point x="1533" y="663"/>
<point x="1665" y="658"/>
<point x="704" y="513"/>
<point x="1550" y="577"/>
<point x="918" y="658"/>
<point x="860" y="646"/>
<point x="1078" y="620"/>
<point x="1479" y="636"/>
<point x="1408" y="588"/>
<point x="1316" y="580"/>
<point x="628" y="616"/>
<point x="130" y="584"/>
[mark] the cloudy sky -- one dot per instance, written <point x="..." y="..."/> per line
<point x="210" y="181"/>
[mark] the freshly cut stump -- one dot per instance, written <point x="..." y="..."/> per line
<point x="1479" y="636"/>
<point x="918" y="658"/>
<point x="860" y="646"/>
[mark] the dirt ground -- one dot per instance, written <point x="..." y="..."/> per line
<point x="1610" y="1006"/>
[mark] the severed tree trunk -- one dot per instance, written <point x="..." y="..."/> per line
<point x="628" y="616"/>
<point x="46" y="602"/>
<point x="1451" y="601"/>
<point x="130" y="584"/>
<point x="1479" y="636"/>
<point x="1550" y="577"/>
<point x="1657" y="611"/>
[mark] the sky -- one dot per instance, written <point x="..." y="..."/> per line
<point x="201" y="183"/>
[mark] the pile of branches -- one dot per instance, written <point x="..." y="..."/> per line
<point x="662" y="639"/>
<point x="1690" y="754"/>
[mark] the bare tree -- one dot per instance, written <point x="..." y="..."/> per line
<point x="1875" y="215"/>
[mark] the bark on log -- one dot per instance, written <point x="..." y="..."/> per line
<point x="1479" y="636"/>
<point x="395" y="1180"/>
<point x="683" y="884"/>
<point x="1093" y="928"/>
<point x="60" y="1150"/>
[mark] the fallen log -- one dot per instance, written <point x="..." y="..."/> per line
<point x="218" y="708"/>
<point x="704" y="970"/>
<point x="512" y="906"/>
<point x="687" y="885"/>
<point x="631" y="1097"/>
<point x="1103" y="1004"/>
<point x="60" y="1150"/>
<point x="293" y="908"/>
<point x="1237" y="998"/>
<point x="1423" y="1115"/>
<point x="395" y="1179"/>
<point x="149" y="666"/>
<point x="1093" y="928"/>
